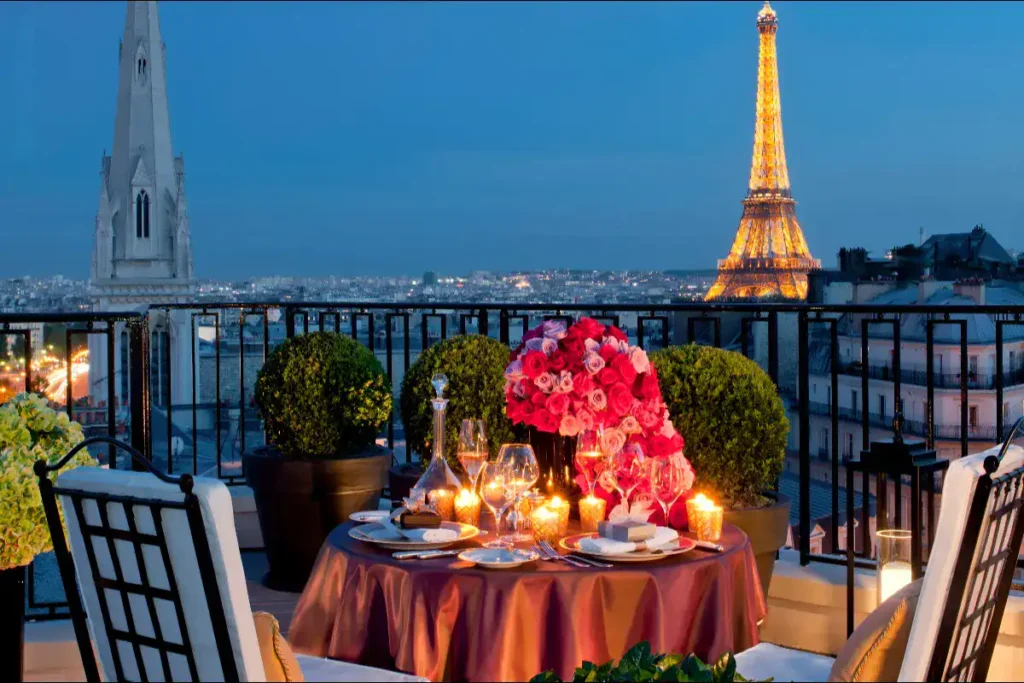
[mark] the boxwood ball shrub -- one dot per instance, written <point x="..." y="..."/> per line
<point x="729" y="413"/>
<point x="30" y="430"/>
<point x="475" y="366"/>
<point x="322" y="395"/>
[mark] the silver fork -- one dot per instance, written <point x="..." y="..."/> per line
<point x="578" y="558"/>
<point x="553" y="557"/>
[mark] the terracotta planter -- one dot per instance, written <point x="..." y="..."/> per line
<point x="12" y="623"/>
<point x="767" y="529"/>
<point x="299" y="502"/>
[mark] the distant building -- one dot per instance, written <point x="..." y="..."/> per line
<point x="429" y="278"/>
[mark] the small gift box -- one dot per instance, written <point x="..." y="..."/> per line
<point x="420" y="519"/>
<point x="627" y="530"/>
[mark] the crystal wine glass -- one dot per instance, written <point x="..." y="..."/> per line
<point x="495" y="496"/>
<point x="472" y="449"/>
<point x="628" y="467"/>
<point x="589" y="456"/>
<point x="519" y="465"/>
<point x="667" y="482"/>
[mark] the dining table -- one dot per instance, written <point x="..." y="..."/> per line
<point x="446" y="619"/>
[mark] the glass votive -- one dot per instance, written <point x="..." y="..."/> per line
<point x="591" y="512"/>
<point x="561" y="507"/>
<point x="692" y="504"/>
<point x="467" y="508"/>
<point x="894" y="570"/>
<point x="707" y="522"/>
<point x="443" y="502"/>
<point x="545" y="523"/>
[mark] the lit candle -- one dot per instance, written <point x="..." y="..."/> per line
<point x="891" y="578"/>
<point x="545" y="523"/>
<point x="591" y="512"/>
<point x="707" y="520"/>
<point x="467" y="508"/>
<point x="561" y="507"/>
<point x="443" y="502"/>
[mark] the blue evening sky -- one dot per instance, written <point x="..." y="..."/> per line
<point x="374" y="138"/>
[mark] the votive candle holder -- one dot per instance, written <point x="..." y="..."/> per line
<point x="443" y="502"/>
<point x="546" y="524"/>
<point x="591" y="512"/>
<point x="708" y="524"/>
<point x="561" y="507"/>
<point x="467" y="508"/>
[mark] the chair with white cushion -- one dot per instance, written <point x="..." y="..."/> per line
<point x="965" y="587"/>
<point x="154" y="577"/>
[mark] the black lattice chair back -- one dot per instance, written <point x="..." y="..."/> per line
<point x="971" y="567"/>
<point x="146" y="572"/>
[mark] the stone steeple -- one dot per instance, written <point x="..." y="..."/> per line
<point x="142" y="222"/>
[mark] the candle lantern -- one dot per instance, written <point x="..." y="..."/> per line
<point x="900" y="551"/>
<point x="467" y="508"/>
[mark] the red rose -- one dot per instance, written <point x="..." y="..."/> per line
<point x="557" y="361"/>
<point x="538" y="398"/>
<point x="641" y="442"/>
<point x="608" y="352"/>
<point x="544" y="421"/>
<point x="677" y="514"/>
<point x="649" y="388"/>
<point x="572" y="344"/>
<point x="661" y="446"/>
<point x="535" y="333"/>
<point x="557" y="404"/>
<point x="624" y="367"/>
<point x="620" y="399"/>
<point x="617" y="333"/>
<point x="609" y="376"/>
<point x="677" y="443"/>
<point x="535" y="363"/>
<point x="590" y="328"/>
<point x="583" y="384"/>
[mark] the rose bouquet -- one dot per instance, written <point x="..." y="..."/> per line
<point x="588" y="377"/>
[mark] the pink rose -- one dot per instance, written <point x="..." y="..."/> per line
<point x="597" y="400"/>
<point x="570" y="425"/>
<point x="545" y="382"/>
<point x="564" y="385"/>
<point x="520" y="388"/>
<point x="514" y="370"/>
<point x="593" y="363"/>
<point x="548" y="346"/>
<point x="586" y="418"/>
<point x="535" y="344"/>
<point x="630" y="425"/>
<point x="591" y="346"/>
<point x="638" y="357"/>
<point x="557" y="404"/>
<point x="612" y="440"/>
<point x="648" y="420"/>
<point x="553" y="329"/>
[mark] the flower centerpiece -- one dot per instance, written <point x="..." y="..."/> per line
<point x="561" y="381"/>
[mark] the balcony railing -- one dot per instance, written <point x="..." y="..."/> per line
<point x="918" y="376"/>
<point x="913" y="427"/>
<point x="181" y="376"/>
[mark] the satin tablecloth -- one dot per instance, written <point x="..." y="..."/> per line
<point x="447" y="620"/>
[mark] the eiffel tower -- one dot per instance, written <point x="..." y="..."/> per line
<point x="769" y="257"/>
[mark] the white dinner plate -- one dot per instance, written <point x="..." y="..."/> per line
<point x="682" y="545"/>
<point x="498" y="558"/>
<point x="377" y="535"/>
<point x="368" y="516"/>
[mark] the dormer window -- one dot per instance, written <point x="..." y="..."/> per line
<point x="141" y="66"/>
<point x="142" y="215"/>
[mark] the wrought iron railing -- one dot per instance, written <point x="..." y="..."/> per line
<point x="205" y="419"/>
<point x="917" y="375"/>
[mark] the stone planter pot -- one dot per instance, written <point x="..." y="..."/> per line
<point x="767" y="529"/>
<point x="300" y="501"/>
<point x="12" y="623"/>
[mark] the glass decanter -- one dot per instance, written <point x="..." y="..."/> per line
<point x="437" y="475"/>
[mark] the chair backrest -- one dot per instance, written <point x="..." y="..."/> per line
<point x="154" y="573"/>
<point x="970" y="568"/>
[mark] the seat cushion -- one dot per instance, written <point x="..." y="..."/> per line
<point x="335" y="671"/>
<point x="279" y="664"/>
<point x="874" y="652"/>
<point x="782" y="664"/>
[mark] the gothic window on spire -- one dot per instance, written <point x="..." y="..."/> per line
<point x="142" y="215"/>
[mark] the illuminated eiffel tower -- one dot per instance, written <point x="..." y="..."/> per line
<point x="769" y="257"/>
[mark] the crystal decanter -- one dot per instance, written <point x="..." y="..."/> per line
<point x="437" y="475"/>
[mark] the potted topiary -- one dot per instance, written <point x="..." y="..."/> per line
<point x="475" y="366"/>
<point x="30" y="431"/>
<point x="641" y="664"/>
<point x="323" y="398"/>
<point x="734" y="424"/>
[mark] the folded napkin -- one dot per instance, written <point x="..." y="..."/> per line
<point x="664" y="536"/>
<point x="441" y="535"/>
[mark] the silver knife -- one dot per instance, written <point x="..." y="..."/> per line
<point x="424" y="554"/>
<point x="708" y="545"/>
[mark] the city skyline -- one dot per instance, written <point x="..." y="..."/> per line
<point x="280" y="141"/>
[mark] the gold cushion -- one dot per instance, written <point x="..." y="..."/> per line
<point x="279" y="664"/>
<point x="875" y="650"/>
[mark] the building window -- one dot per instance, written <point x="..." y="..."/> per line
<point x="881" y="405"/>
<point x="972" y="366"/>
<point x="853" y="402"/>
<point x="972" y="416"/>
<point x="849" y="445"/>
<point x="142" y="215"/>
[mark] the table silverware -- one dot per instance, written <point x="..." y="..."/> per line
<point x="555" y="556"/>
<point x="424" y="554"/>
<point x="585" y="560"/>
<point x="709" y="546"/>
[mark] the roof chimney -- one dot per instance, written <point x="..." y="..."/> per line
<point x="973" y="288"/>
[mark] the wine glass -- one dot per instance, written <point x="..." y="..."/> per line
<point x="667" y="482"/>
<point x="628" y="467"/>
<point x="495" y="496"/>
<point x="588" y="456"/>
<point x="519" y="465"/>
<point x="472" y="449"/>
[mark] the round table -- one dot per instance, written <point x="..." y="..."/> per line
<point x="445" y="619"/>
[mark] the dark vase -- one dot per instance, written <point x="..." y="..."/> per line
<point x="556" y="458"/>
<point x="12" y="623"/>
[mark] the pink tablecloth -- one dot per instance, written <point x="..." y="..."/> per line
<point x="446" y="620"/>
